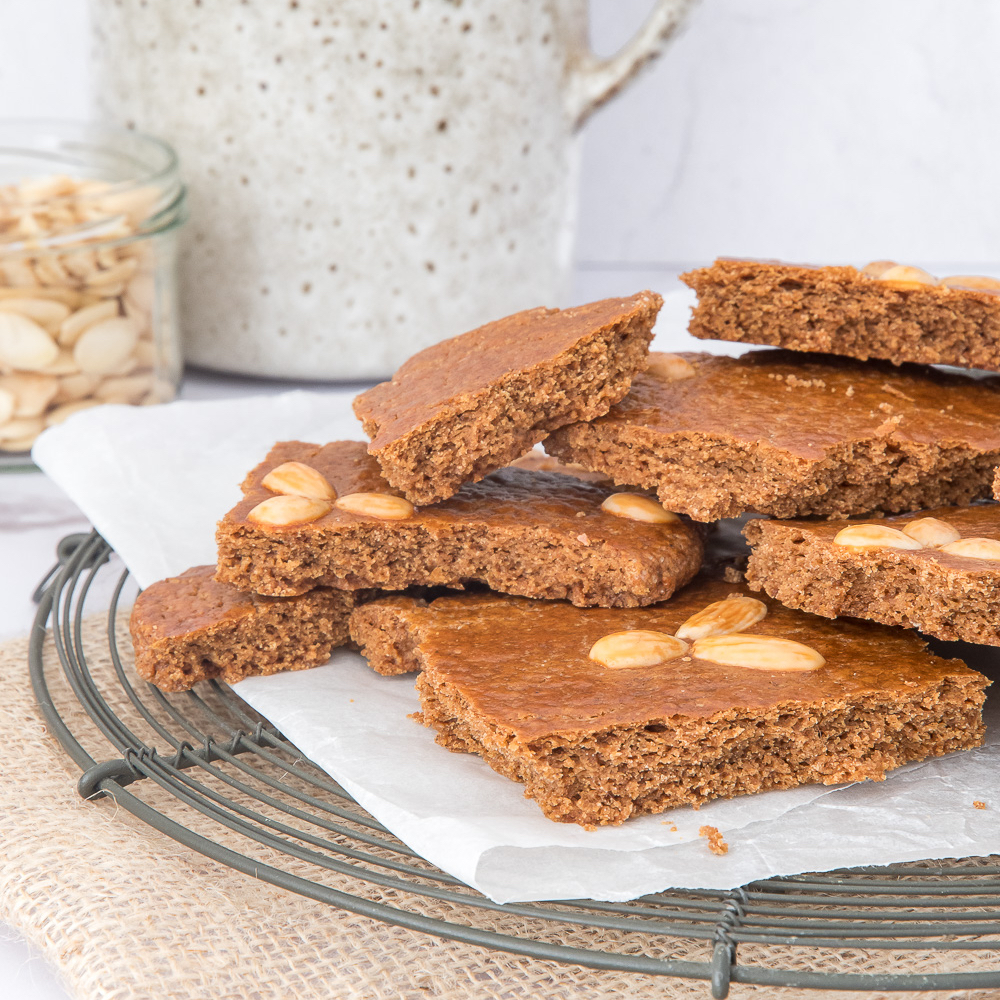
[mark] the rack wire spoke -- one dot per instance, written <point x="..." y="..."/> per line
<point x="299" y="829"/>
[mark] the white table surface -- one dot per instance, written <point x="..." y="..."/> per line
<point x="35" y="514"/>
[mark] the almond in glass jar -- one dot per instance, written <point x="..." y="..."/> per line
<point x="88" y="221"/>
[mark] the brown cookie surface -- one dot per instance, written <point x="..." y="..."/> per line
<point x="190" y="628"/>
<point x="470" y="405"/>
<point x="520" y="531"/>
<point x="948" y="590"/>
<point x="790" y="434"/>
<point x="841" y="310"/>
<point x="515" y="682"/>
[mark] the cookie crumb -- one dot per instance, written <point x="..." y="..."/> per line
<point x="807" y="383"/>
<point x="978" y="805"/>
<point x="715" y="842"/>
<point x="731" y="574"/>
<point x="893" y="390"/>
<point x="888" y="426"/>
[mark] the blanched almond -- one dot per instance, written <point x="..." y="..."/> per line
<point x="74" y="387"/>
<point x="17" y="273"/>
<point x="874" y="536"/>
<point x="104" y="347"/>
<point x="64" y="364"/>
<point x="60" y="413"/>
<point x="49" y="270"/>
<point x="162" y="391"/>
<point x="67" y="296"/>
<point x="136" y="204"/>
<point x="45" y="188"/>
<point x="125" y="367"/>
<point x="145" y="353"/>
<point x="637" y="507"/>
<point x="116" y="275"/>
<point x="974" y="282"/>
<point x="669" y="367"/>
<point x="757" y="652"/>
<point x="79" y="264"/>
<point x="636" y="648"/>
<point x="124" y="388"/>
<point x="877" y="268"/>
<point x="281" y="511"/>
<point x="140" y="293"/>
<point x="384" y="506"/>
<point x="907" y="277"/>
<point x="298" y="479"/>
<point x="974" y="548"/>
<point x="32" y="393"/>
<point x="931" y="531"/>
<point x="14" y="445"/>
<point x="24" y="344"/>
<point x="71" y="327"/>
<point x="723" y="617"/>
<point x="45" y="312"/>
<point x="21" y="427"/>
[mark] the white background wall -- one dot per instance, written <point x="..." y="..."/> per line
<point x="820" y="130"/>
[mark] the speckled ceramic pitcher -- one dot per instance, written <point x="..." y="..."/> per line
<point x="367" y="176"/>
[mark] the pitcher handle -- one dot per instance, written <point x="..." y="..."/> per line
<point x="593" y="80"/>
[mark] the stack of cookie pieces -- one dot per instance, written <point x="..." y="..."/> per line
<point x="935" y="566"/>
<point x="608" y="666"/>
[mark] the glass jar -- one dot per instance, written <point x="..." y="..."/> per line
<point x="88" y="300"/>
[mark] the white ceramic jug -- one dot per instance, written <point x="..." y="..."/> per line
<point x="367" y="177"/>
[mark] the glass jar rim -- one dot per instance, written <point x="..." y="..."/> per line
<point x="129" y="162"/>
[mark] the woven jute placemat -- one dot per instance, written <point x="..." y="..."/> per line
<point x="125" y="913"/>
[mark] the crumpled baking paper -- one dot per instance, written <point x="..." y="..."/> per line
<point x="155" y="480"/>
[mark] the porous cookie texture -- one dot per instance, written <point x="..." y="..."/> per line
<point x="470" y="405"/>
<point x="386" y="634"/>
<point x="538" y="534"/>
<point x="789" y="434"/>
<point x="191" y="628"/>
<point x="515" y="681"/>
<point x="937" y="587"/>
<point x="889" y="312"/>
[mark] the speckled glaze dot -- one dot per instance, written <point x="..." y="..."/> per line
<point x="367" y="177"/>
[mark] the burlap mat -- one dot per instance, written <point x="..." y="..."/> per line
<point x="124" y="912"/>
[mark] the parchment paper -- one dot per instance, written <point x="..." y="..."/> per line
<point x="154" y="481"/>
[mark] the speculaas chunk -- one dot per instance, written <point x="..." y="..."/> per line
<point x="386" y="635"/>
<point x="935" y="570"/>
<point x="190" y="628"/>
<point x="882" y="311"/>
<point x="470" y="405"/>
<point x="790" y="434"/>
<point x="538" y="534"/>
<point x="601" y="727"/>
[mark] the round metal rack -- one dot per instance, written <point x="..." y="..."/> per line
<point x="280" y="819"/>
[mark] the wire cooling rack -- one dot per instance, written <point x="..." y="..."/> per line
<point x="916" y="927"/>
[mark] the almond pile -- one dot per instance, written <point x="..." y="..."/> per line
<point x="78" y="304"/>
